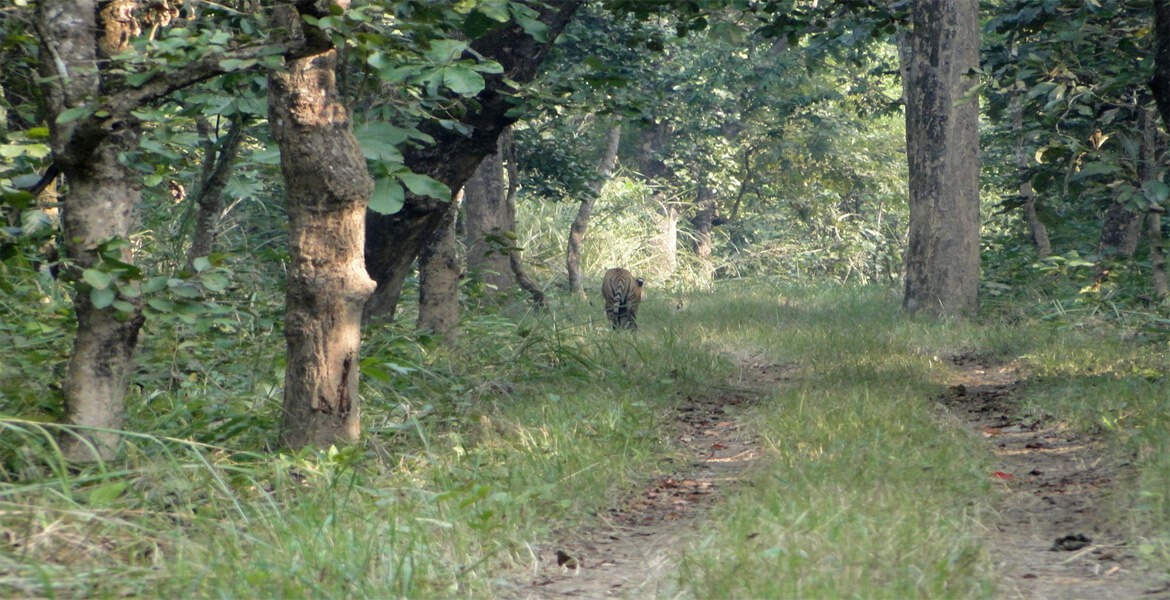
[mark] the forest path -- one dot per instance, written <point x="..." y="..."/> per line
<point x="1051" y="539"/>
<point x="634" y="555"/>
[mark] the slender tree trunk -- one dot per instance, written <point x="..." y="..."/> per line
<point x="1159" y="280"/>
<point x="327" y="187"/>
<point x="704" y="223"/>
<point x="438" y="278"/>
<point x="213" y="181"/>
<point x="98" y="207"/>
<point x="394" y="241"/>
<point x="581" y="222"/>
<point x="942" y="138"/>
<point x="1036" y="227"/>
<point x="488" y="223"/>
<point x="512" y="170"/>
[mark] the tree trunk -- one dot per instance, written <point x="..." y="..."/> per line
<point x="1036" y="227"/>
<point x="942" y="143"/>
<point x="488" y="223"/>
<point x="327" y="187"/>
<point x="394" y="241"/>
<point x="581" y="222"/>
<point x="1121" y="227"/>
<point x="1157" y="254"/>
<point x="704" y="223"/>
<point x="656" y="142"/>
<point x="98" y="207"/>
<point x="212" y="182"/>
<point x="438" y="278"/>
<point x="665" y="244"/>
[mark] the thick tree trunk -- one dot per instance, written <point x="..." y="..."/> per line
<point x="327" y="187"/>
<point x="212" y="182"/>
<point x="438" y="278"/>
<point x="394" y="241"/>
<point x="488" y="223"/>
<point x="580" y="224"/>
<point x="98" y="207"/>
<point x="942" y="137"/>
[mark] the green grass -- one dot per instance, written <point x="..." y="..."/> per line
<point x="532" y="423"/>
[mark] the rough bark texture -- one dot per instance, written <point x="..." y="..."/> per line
<point x="580" y="224"/>
<point x="327" y="187"/>
<point x="217" y="163"/>
<point x="98" y="206"/>
<point x="487" y="223"/>
<point x="394" y="241"/>
<point x="438" y="278"/>
<point x="942" y="139"/>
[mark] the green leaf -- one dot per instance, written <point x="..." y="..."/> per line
<point x="527" y="18"/>
<point x="201" y="264"/>
<point x="123" y="306"/>
<point x="161" y="305"/>
<point x="154" y="285"/>
<point x="216" y="282"/>
<point x="445" y="51"/>
<point x="137" y="79"/>
<point x="462" y="80"/>
<point x="185" y="290"/>
<point x="388" y="196"/>
<point x="105" y="495"/>
<point x="70" y="115"/>
<point x="98" y="280"/>
<point x="423" y="185"/>
<point x="1156" y="191"/>
<point x="102" y="298"/>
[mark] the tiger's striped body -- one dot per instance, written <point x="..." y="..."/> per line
<point x="622" y="293"/>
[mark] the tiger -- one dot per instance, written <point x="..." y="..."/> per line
<point x="622" y="293"/>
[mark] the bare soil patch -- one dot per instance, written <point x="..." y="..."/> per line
<point x="634" y="553"/>
<point x="1052" y="539"/>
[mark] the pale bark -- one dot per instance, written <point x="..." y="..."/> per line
<point x="438" y="278"/>
<point x="98" y="207"/>
<point x="488" y="223"/>
<point x="327" y="187"/>
<point x="939" y="53"/>
<point x="580" y="224"/>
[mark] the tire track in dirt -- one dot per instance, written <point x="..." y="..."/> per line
<point x="1051" y="539"/>
<point x="634" y="553"/>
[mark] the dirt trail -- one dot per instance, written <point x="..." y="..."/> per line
<point x="1051" y="540"/>
<point x="634" y="554"/>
